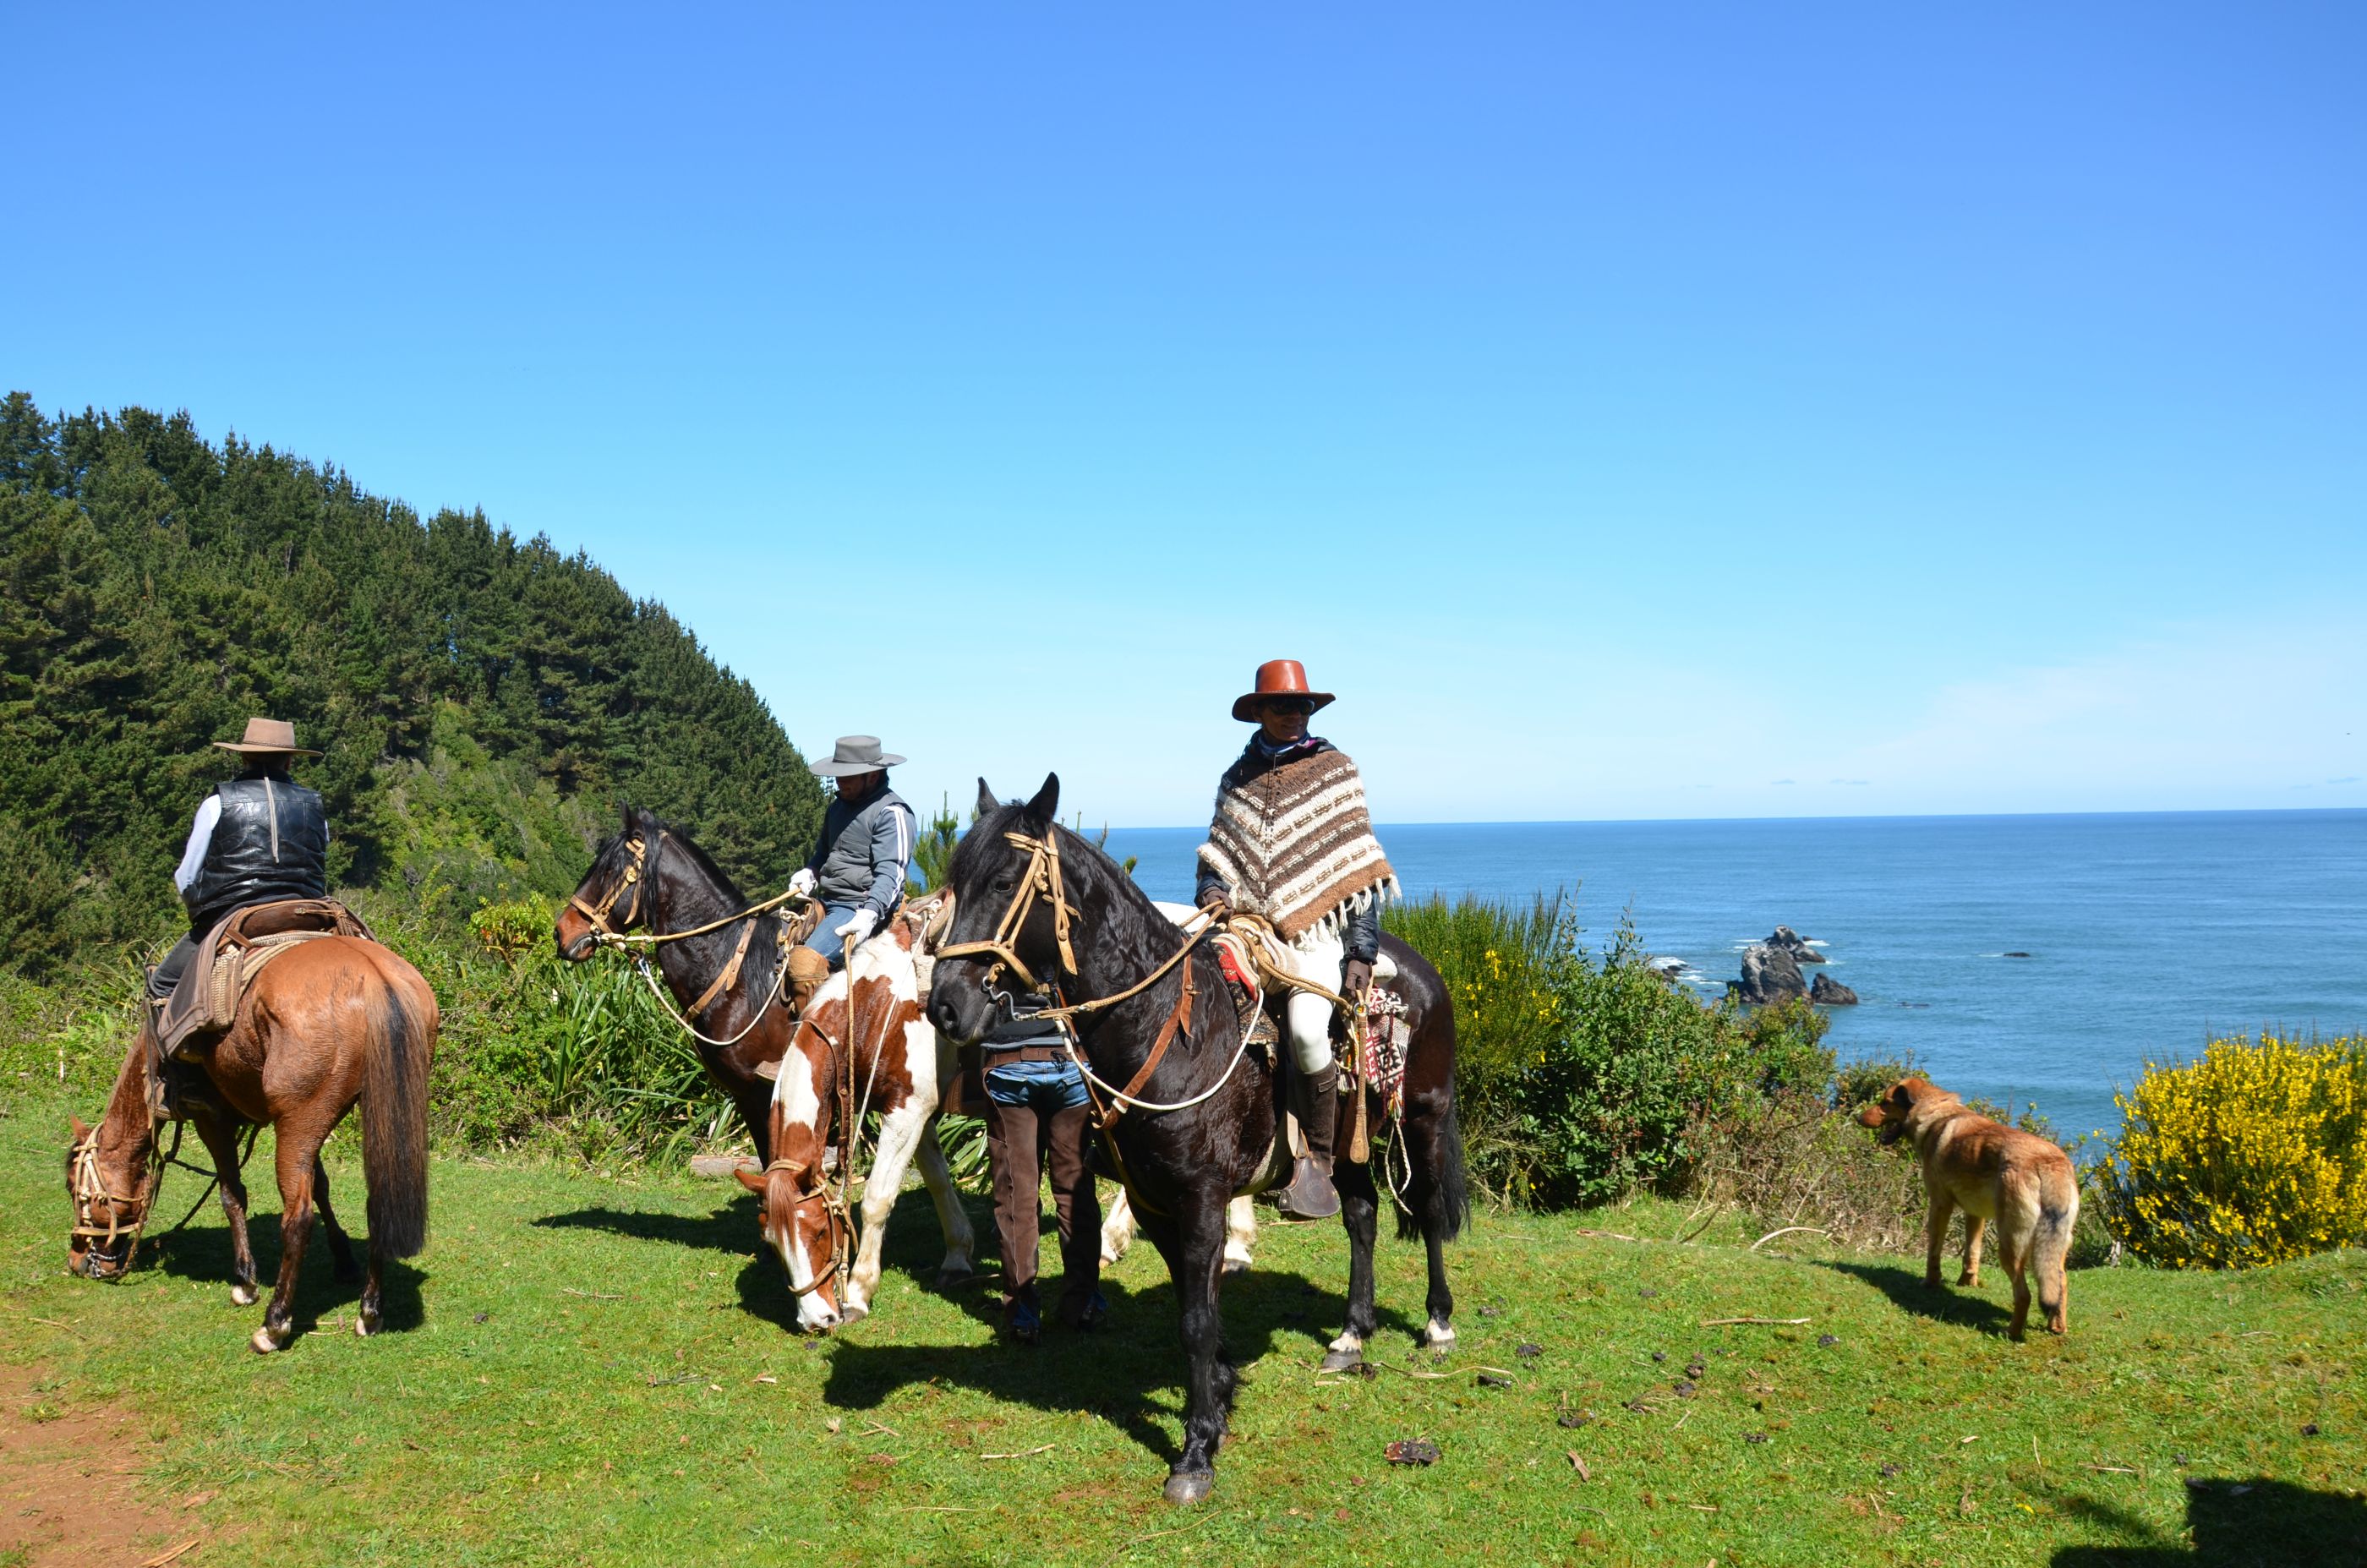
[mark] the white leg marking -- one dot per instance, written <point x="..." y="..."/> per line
<point x="1436" y="1333"/>
<point x="900" y="1136"/>
<point x="244" y="1296"/>
<point x="1240" y="1235"/>
<point x="1348" y="1342"/>
<point x="1117" y="1230"/>
<point x="952" y="1218"/>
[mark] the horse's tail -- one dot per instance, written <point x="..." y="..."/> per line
<point x="1446" y="1205"/>
<point x="394" y="1116"/>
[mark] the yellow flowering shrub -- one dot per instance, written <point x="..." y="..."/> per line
<point x="2253" y="1154"/>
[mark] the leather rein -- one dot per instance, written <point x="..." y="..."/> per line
<point x="1042" y="882"/>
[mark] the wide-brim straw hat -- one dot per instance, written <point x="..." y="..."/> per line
<point x="267" y="737"/>
<point x="856" y="754"/>
<point x="1277" y="677"/>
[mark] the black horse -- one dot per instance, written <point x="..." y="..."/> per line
<point x="1183" y="1166"/>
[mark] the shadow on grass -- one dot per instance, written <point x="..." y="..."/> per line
<point x="2237" y="1522"/>
<point x="731" y="1229"/>
<point x="1115" y="1371"/>
<point x="1907" y="1292"/>
<point x="201" y="1253"/>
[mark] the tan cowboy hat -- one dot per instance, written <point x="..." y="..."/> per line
<point x="268" y="736"/>
<point x="856" y="754"/>
<point x="1277" y="677"/>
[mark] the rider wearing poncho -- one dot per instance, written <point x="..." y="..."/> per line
<point x="257" y="838"/>
<point x="864" y="850"/>
<point x="1292" y="844"/>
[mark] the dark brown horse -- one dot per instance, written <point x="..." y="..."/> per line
<point x="329" y="1022"/>
<point x="1183" y="1164"/>
<point x="650" y="876"/>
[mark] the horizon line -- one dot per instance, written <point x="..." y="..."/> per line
<point x="1825" y="817"/>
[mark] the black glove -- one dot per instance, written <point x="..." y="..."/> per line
<point x="1355" y="976"/>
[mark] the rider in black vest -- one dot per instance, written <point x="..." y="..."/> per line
<point x="258" y="837"/>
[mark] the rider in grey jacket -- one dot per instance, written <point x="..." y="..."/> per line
<point x="859" y="863"/>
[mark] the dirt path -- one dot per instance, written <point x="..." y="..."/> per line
<point x="71" y="1489"/>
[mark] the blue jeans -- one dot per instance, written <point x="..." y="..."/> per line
<point x="1044" y="1088"/>
<point x="826" y="940"/>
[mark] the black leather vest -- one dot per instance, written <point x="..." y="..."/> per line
<point x="271" y="842"/>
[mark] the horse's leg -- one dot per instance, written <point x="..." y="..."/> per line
<point x="961" y="1242"/>
<point x="296" y="1156"/>
<point x="221" y="1136"/>
<point x="899" y="1138"/>
<point x="340" y="1249"/>
<point x="1359" y="1212"/>
<point x="1431" y="1159"/>
<point x="755" y="1101"/>
<point x="1240" y="1235"/>
<point x="1117" y="1229"/>
<point x="1208" y="1396"/>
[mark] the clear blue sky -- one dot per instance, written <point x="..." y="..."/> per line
<point x="1630" y="412"/>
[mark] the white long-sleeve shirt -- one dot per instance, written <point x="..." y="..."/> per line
<point x="201" y="835"/>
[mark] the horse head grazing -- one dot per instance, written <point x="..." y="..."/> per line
<point x="808" y="1231"/>
<point x="613" y="895"/>
<point x="1010" y="911"/>
<point x="111" y="1183"/>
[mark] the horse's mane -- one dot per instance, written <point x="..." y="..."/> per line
<point x="678" y="840"/>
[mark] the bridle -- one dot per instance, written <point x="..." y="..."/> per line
<point x="834" y="1214"/>
<point x="632" y="877"/>
<point x="90" y="1186"/>
<point x="1041" y="880"/>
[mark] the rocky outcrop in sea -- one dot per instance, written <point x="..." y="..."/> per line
<point x="1769" y="975"/>
<point x="1826" y="992"/>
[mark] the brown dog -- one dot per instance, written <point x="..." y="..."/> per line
<point x="1992" y="1172"/>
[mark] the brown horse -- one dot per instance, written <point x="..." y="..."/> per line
<point x="328" y="1022"/>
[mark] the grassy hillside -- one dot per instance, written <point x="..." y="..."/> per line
<point x="597" y="1370"/>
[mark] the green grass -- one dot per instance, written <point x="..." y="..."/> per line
<point x="575" y="1378"/>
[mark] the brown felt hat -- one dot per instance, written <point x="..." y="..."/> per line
<point x="270" y="737"/>
<point x="1277" y="677"/>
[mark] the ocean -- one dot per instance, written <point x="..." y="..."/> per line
<point x="2147" y="933"/>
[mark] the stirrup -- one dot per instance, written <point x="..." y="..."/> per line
<point x="1310" y="1195"/>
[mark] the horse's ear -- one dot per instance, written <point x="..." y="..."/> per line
<point x="630" y="815"/>
<point x="1044" y="809"/>
<point x="752" y="1181"/>
<point x="987" y="804"/>
<point x="80" y="1132"/>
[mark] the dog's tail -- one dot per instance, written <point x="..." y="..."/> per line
<point x="2058" y="1211"/>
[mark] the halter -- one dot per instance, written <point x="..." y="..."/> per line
<point x="598" y="913"/>
<point x="1041" y="880"/>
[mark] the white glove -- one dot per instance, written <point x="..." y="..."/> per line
<point x="858" y="926"/>
<point x="802" y="882"/>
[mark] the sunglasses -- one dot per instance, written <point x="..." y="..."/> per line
<point x="1302" y="707"/>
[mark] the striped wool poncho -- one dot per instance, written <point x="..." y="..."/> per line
<point x="1294" y="844"/>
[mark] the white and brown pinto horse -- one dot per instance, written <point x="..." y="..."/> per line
<point x="728" y="978"/>
<point x="863" y="1045"/>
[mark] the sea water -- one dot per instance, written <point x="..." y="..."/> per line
<point x="2147" y="933"/>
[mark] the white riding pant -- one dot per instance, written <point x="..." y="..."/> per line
<point x="1316" y="956"/>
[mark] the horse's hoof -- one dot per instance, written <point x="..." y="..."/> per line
<point x="1190" y="1486"/>
<point x="244" y="1296"/>
<point x="265" y="1342"/>
<point x="1437" y="1335"/>
<point x="1237" y="1265"/>
<point x="1341" y="1361"/>
<point x="366" y="1324"/>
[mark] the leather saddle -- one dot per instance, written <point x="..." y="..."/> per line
<point x="206" y="1001"/>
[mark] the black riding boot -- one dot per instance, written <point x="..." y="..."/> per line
<point x="1310" y="1195"/>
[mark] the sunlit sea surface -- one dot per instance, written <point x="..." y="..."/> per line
<point x="2148" y="932"/>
